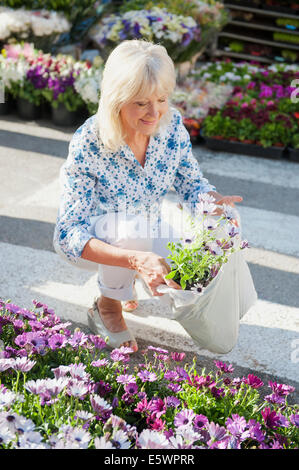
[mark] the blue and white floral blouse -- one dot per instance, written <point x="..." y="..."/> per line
<point x="95" y="181"/>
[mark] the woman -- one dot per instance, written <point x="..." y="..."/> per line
<point x="121" y="163"/>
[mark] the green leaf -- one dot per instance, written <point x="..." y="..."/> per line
<point x="171" y="274"/>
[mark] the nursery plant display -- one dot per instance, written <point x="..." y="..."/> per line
<point x="63" y="390"/>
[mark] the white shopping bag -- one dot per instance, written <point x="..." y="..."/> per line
<point x="212" y="319"/>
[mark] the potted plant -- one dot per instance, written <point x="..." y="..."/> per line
<point x="181" y="35"/>
<point x="60" y="92"/>
<point x="294" y="148"/>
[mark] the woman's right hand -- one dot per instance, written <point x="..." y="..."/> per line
<point x="153" y="269"/>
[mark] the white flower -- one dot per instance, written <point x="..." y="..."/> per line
<point x="102" y="443"/>
<point x="24" y="425"/>
<point x="7" y="398"/>
<point x="31" y="440"/>
<point x="6" y="435"/>
<point x="78" y="389"/>
<point x="119" y="439"/>
<point x="25" y="22"/>
<point x="149" y="439"/>
<point x="214" y="248"/>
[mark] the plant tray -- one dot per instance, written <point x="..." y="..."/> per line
<point x="293" y="154"/>
<point x="244" y="149"/>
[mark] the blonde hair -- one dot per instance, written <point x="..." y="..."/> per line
<point x="134" y="67"/>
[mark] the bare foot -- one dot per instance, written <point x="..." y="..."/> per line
<point x="111" y="313"/>
<point x="129" y="305"/>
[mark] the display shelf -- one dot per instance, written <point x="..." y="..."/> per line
<point x="262" y="27"/>
<point x="256" y="30"/>
<point x="261" y="11"/>
<point x="237" y="55"/>
<point x="258" y="40"/>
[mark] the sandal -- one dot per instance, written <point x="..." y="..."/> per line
<point x="97" y="326"/>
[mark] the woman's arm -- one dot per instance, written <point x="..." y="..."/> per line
<point x="152" y="267"/>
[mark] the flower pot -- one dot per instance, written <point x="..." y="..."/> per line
<point x="4" y="108"/>
<point x="27" y="110"/>
<point x="293" y="154"/>
<point x="63" y="117"/>
<point x="8" y="106"/>
<point x="244" y="149"/>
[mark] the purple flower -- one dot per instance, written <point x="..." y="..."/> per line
<point x="155" y="423"/>
<point x="36" y="340"/>
<point x="97" y="341"/>
<point x="237" y="427"/>
<point x="178" y="357"/>
<point x="294" y="419"/>
<point x="200" y="421"/>
<point x="131" y="388"/>
<point x="255" y="430"/>
<point x="171" y="375"/>
<point x="266" y="91"/>
<point x="125" y="379"/>
<point x="281" y="389"/>
<point x="157" y="407"/>
<point x="224" y="367"/>
<point x="101" y="407"/>
<point x="147" y="376"/>
<point x="271" y="419"/>
<point x="13" y="308"/>
<point x="172" y="401"/>
<point x="100" y="363"/>
<point x="57" y="341"/>
<point x="142" y="406"/>
<point x="127" y="398"/>
<point x="184" y="418"/>
<point x="23" y="364"/>
<point x="175" y="388"/>
<point x="253" y="381"/>
<point x="6" y="363"/>
<point x="78" y="339"/>
<point x="115" y="402"/>
<point x="121" y="354"/>
<point x="101" y="388"/>
<point x="275" y="399"/>
<point x="21" y="340"/>
<point x="216" y="431"/>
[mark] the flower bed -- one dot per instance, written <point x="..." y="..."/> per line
<point x="260" y="111"/>
<point x="64" y="390"/>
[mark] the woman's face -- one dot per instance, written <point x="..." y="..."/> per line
<point x="142" y="114"/>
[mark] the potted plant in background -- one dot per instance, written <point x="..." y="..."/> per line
<point x="181" y="35"/>
<point x="65" y="102"/>
<point x="294" y="148"/>
<point x="87" y="84"/>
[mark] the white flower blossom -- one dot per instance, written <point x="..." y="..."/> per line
<point x="24" y="22"/>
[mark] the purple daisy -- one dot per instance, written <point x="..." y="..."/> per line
<point x="57" y="341"/>
<point x="184" y="418"/>
<point x="200" y="421"/>
<point x="224" y="367"/>
<point x="178" y="357"/>
<point x="147" y="376"/>
<point x="131" y="388"/>
<point x="253" y="381"/>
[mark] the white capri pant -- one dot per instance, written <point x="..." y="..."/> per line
<point x="133" y="232"/>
